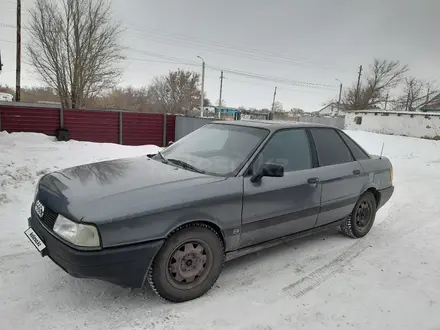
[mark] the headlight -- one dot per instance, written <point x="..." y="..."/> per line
<point x="77" y="233"/>
<point x="36" y="189"/>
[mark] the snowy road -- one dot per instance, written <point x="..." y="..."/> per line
<point x="388" y="280"/>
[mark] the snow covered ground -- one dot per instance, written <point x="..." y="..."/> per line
<point x="388" y="280"/>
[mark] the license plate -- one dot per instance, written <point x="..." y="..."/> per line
<point x="33" y="237"/>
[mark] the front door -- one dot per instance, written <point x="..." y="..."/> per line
<point x="279" y="206"/>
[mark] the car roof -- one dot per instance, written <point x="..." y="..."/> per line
<point x="272" y="125"/>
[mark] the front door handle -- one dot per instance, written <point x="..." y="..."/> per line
<point x="357" y="172"/>
<point x="313" y="181"/>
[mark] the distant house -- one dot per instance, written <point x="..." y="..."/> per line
<point x="249" y="114"/>
<point x="433" y="107"/>
<point x="6" y="97"/>
<point x="227" y="113"/>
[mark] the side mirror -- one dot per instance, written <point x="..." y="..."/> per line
<point x="270" y="170"/>
<point x="170" y="143"/>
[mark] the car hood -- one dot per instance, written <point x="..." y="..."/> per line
<point x="104" y="189"/>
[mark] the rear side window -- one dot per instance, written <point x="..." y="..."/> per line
<point x="358" y="153"/>
<point x="330" y="147"/>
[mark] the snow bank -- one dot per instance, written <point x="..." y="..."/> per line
<point x="27" y="156"/>
<point x="388" y="279"/>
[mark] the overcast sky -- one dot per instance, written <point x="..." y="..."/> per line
<point x="300" y="41"/>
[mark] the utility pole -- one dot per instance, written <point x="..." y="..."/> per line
<point x="358" y="84"/>
<point x="340" y="94"/>
<point x="202" y="92"/>
<point x="407" y="101"/>
<point x="1" y="64"/>
<point x="18" y="60"/>
<point x="386" y="101"/>
<point x="221" y="89"/>
<point x="273" y="101"/>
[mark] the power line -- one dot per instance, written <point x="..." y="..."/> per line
<point x="251" y="75"/>
<point x="253" y="51"/>
<point x="225" y="49"/>
<point x="234" y="52"/>
<point x="269" y="85"/>
<point x="242" y="73"/>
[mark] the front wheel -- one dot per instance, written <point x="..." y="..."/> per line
<point x="188" y="264"/>
<point x="361" y="219"/>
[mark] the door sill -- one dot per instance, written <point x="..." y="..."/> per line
<point x="284" y="239"/>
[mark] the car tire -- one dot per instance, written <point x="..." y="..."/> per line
<point x="188" y="264"/>
<point x="359" y="222"/>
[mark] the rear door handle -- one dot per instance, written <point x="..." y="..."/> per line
<point x="356" y="172"/>
<point x="312" y="181"/>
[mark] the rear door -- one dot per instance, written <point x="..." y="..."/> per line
<point x="279" y="206"/>
<point x="341" y="176"/>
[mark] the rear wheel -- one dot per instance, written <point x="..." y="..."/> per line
<point x="188" y="264"/>
<point x="361" y="219"/>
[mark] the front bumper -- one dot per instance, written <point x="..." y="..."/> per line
<point x="125" y="266"/>
<point x="385" y="195"/>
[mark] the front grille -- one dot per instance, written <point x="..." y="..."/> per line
<point x="49" y="216"/>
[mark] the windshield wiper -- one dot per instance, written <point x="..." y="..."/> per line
<point x="162" y="157"/>
<point x="185" y="165"/>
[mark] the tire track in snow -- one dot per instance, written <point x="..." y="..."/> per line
<point x="323" y="273"/>
<point x="380" y="237"/>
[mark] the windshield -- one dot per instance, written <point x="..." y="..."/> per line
<point x="216" y="149"/>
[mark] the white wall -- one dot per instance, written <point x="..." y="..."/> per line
<point x="397" y="123"/>
<point x="331" y="121"/>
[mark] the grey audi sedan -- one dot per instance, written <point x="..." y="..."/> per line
<point x="229" y="188"/>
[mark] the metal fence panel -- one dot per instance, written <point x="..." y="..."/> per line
<point x="29" y="119"/>
<point x="141" y="129"/>
<point x="94" y="125"/>
<point x="186" y="125"/>
<point x="91" y="125"/>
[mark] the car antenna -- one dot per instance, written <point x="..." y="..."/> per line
<point x="381" y="152"/>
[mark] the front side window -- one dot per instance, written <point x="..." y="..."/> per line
<point x="216" y="149"/>
<point x="289" y="148"/>
<point x="330" y="147"/>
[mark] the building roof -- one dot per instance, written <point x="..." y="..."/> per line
<point x="272" y="125"/>
<point x="431" y="107"/>
<point x="342" y="107"/>
<point x="408" y="113"/>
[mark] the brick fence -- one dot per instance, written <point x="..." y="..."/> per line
<point x="111" y="126"/>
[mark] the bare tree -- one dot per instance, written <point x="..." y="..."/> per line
<point x="415" y="94"/>
<point x="177" y="92"/>
<point x="278" y="107"/>
<point x="74" y="49"/>
<point x="384" y="75"/>
<point x="127" y="98"/>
